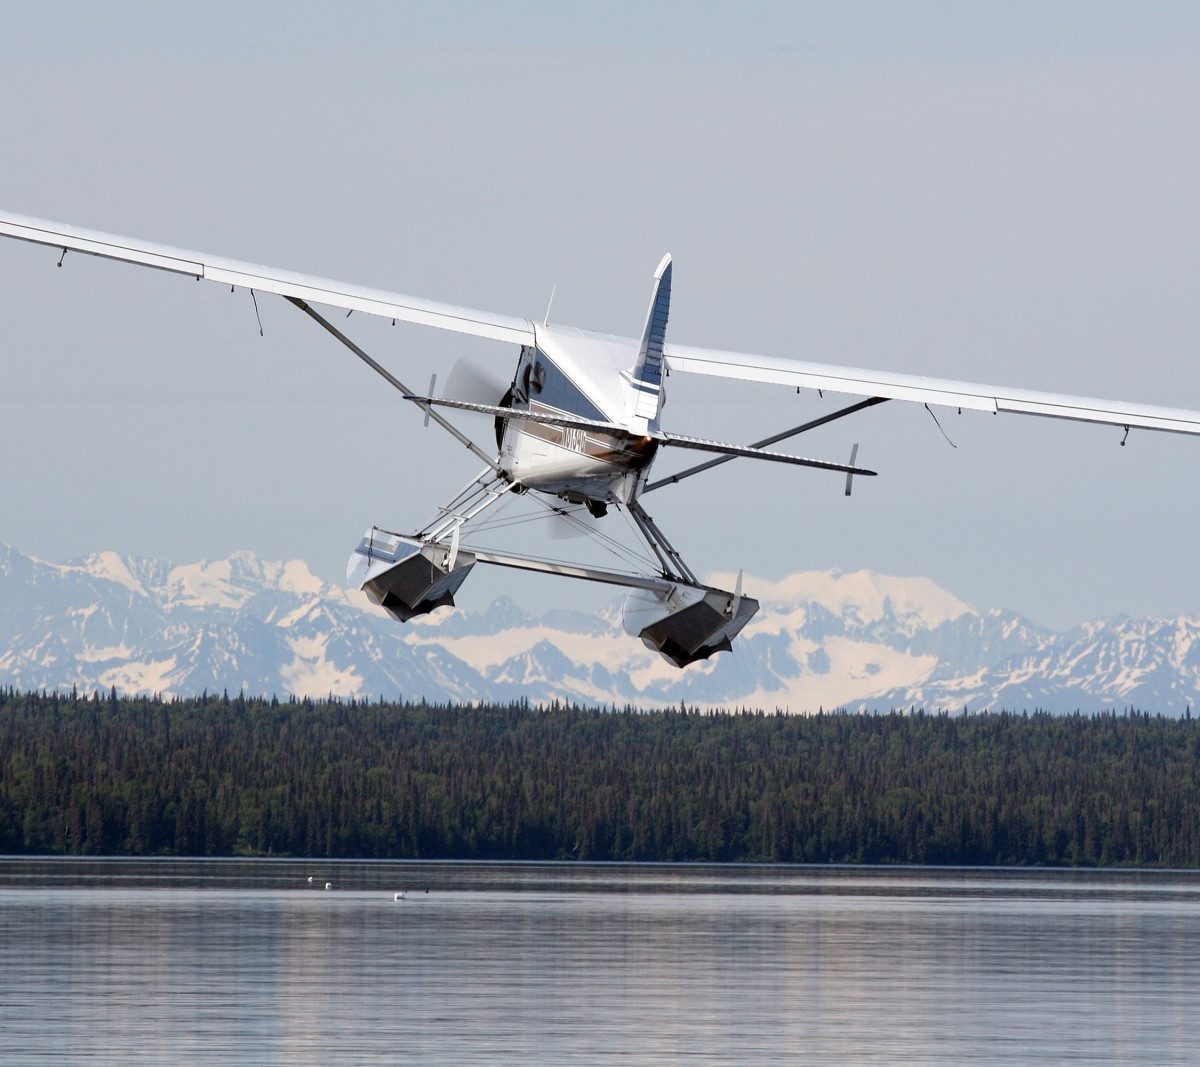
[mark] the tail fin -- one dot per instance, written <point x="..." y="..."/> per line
<point x="647" y="373"/>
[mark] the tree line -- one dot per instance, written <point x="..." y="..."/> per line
<point x="206" y="776"/>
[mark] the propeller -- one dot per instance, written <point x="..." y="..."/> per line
<point x="475" y="382"/>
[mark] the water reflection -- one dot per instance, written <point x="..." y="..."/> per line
<point x="116" y="961"/>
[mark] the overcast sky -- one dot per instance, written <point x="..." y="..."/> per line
<point x="997" y="192"/>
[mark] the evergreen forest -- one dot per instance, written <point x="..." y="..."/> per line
<point x="102" y="775"/>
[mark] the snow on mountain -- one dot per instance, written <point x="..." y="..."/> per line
<point x="862" y="598"/>
<point x="1153" y="664"/>
<point x="821" y="639"/>
<point x="115" y="569"/>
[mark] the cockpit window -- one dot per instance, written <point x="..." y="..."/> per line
<point x="520" y="385"/>
<point x="530" y="376"/>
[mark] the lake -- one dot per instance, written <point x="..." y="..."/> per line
<point x="117" y="961"/>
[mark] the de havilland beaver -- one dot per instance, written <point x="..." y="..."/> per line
<point x="581" y="422"/>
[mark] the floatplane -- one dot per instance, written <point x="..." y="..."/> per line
<point x="580" y="424"/>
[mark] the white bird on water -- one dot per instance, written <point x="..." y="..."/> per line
<point x="400" y="895"/>
<point x="328" y="885"/>
<point x="310" y="877"/>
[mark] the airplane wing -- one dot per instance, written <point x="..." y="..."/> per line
<point x="267" y="279"/>
<point x="912" y="387"/>
<point x="683" y="358"/>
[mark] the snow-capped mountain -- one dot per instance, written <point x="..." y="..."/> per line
<point x="821" y="639"/>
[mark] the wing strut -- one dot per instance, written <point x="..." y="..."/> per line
<point x="396" y="383"/>
<point x="663" y="549"/>
<point x="700" y="467"/>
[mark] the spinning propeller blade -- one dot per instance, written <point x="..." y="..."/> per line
<point x="475" y="383"/>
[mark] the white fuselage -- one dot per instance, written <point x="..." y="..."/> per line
<point x="574" y="373"/>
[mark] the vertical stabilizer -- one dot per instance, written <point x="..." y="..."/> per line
<point x="646" y="376"/>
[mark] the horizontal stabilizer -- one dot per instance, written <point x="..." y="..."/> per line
<point x="667" y="439"/>
<point x="701" y="445"/>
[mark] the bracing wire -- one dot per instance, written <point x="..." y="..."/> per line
<point x="939" y="426"/>
<point x="256" y="314"/>
<point x="603" y="540"/>
<point x="628" y="556"/>
<point x="646" y="557"/>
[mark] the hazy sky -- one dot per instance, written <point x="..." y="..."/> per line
<point x="998" y="192"/>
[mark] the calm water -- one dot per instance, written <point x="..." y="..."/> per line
<point x="240" y="962"/>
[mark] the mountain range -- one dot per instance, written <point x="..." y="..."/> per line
<point x="822" y="639"/>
